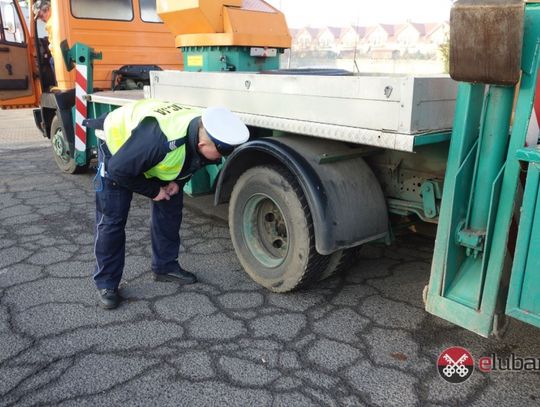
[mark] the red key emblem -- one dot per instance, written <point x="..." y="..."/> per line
<point x="455" y="365"/>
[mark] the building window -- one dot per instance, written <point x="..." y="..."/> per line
<point x="121" y="10"/>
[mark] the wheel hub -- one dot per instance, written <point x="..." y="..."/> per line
<point x="59" y="146"/>
<point x="266" y="230"/>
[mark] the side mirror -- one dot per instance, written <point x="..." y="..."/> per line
<point x="66" y="55"/>
<point x="486" y="39"/>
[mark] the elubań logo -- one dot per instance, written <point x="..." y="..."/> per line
<point x="456" y="364"/>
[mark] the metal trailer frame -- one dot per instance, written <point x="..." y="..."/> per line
<point x="405" y="143"/>
<point x="413" y="114"/>
<point x="524" y="293"/>
<point x="468" y="282"/>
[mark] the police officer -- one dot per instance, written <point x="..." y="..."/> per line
<point x="152" y="148"/>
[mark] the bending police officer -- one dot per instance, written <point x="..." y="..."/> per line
<point x="152" y="148"/>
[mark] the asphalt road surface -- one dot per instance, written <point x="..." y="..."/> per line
<point x="362" y="338"/>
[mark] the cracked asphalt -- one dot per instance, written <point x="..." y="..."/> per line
<point x="359" y="339"/>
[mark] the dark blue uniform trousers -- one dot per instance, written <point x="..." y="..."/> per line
<point x="112" y="208"/>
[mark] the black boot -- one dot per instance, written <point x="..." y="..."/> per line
<point x="108" y="298"/>
<point x="177" y="276"/>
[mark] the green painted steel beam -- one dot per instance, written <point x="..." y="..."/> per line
<point x="524" y="290"/>
<point x="433" y="138"/>
<point x="530" y="66"/>
<point x="447" y="256"/>
<point x="474" y="308"/>
<point x="473" y="231"/>
<point x="530" y="155"/>
<point x="491" y="154"/>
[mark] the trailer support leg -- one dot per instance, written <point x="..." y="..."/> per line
<point x="479" y="195"/>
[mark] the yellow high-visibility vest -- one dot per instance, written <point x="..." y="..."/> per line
<point x="173" y="120"/>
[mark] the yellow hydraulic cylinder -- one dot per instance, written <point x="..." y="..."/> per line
<point x="225" y="23"/>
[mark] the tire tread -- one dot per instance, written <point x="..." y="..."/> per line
<point x="316" y="263"/>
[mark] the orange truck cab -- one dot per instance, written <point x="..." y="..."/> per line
<point x="129" y="34"/>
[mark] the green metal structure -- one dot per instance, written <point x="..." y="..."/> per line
<point x="524" y="294"/>
<point x="471" y="257"/>
<point x="218" y="59"/>
<point x="81" y="54"/>
<point x="215" y="59"/>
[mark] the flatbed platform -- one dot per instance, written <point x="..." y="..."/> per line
<point x="394" y="112"/>
<point x="117" y="97"/>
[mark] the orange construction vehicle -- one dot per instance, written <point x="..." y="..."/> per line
<point x="129" y="34"/>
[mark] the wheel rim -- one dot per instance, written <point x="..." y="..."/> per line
<point x="265" y="230"/>
<point x="59" y="146"/>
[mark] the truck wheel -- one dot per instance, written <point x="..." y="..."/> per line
<point x="62" y="150"/>
<point x="272" y="230"/>
<point x="340" y="261"/>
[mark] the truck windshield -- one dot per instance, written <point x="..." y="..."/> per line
<point x="148" y="11"/>
<point x="103" y="9"/>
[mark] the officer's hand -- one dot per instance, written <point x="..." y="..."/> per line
<point x="172" y="188"/>
<point x="163" y="195"/>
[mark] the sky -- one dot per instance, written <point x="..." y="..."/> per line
<point x="319" y="13"/>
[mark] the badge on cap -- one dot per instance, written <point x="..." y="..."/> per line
<point x="224" y="128"/>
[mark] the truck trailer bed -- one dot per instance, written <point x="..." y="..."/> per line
<point x="395" y="112"/>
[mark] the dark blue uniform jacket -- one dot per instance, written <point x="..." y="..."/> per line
<point x="146" y="147"/>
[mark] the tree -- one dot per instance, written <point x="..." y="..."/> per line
<point x="444" y="49"/>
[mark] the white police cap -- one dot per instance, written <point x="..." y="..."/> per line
<point x="224" y="128"/>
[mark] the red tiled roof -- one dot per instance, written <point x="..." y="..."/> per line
<point x="424" y="29"/>
<point x="389" y="28"/>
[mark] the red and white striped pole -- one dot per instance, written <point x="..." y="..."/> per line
<point x="81" y="111"/>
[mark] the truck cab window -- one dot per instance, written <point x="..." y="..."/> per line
<point x="12" y="29"/>
<point x="23" y="5"/>
<point x="148" y="11"/>
<point x="121" y="10"/>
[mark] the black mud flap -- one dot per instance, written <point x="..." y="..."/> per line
<point x="38" y="120"/>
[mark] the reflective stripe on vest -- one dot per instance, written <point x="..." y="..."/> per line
<point x="173" y="120"/>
